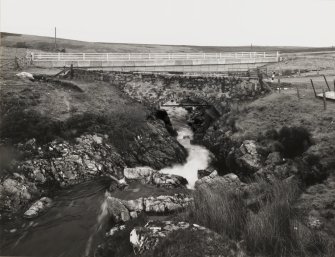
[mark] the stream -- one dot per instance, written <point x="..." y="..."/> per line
<point x="198" y="156"/>
<point x="73" y="225"/>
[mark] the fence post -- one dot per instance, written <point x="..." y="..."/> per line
<point x="334" y="85"/>
<point x="83" y="56"/>
<point x="326" y="82"/>
<point x="313" y="88"/>
<point x="58" y="56"/>
<point x="298" y="93"/>
<point x="324" y="100"/>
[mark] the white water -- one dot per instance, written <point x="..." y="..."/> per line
<point x="198" y="156"/>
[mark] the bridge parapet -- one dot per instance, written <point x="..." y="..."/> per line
<point x="152" y="61"/>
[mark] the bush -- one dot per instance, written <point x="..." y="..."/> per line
<point x="295" y="140"/>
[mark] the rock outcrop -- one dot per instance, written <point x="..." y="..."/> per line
<point x="66" y="163"/>
<point x="148" y="175"/>
<point x="156" y="148"/>
<point x="15" y="192"/>
<point x="147" y="239"/>
<point x="62" y="163"/>
<point x="117" y="210"/>
<point x="123" y="210"/>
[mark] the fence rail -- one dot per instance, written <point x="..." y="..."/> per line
<point x="153" y="56"/>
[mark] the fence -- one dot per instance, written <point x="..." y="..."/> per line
<point x="111" y="57"/>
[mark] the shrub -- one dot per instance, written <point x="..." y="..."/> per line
<point x="295" y="140"/>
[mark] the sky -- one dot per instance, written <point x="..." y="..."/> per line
<point x="177" y="22"/>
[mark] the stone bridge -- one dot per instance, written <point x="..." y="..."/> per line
<point x="155" y="89"/>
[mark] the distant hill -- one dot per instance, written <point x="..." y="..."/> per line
<point x="47" y="44"/>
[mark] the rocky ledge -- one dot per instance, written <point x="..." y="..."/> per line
<point x="122" y="210"/>
<point x="148" y="175"/>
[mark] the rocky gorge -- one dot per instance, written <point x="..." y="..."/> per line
<point x="242" y="177"/>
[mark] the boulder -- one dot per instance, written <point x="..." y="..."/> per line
<point x="115" y="229"/>
<point x="168" y="180"/>
<point x="116" y="209"/>
<point x="203" y="173"/>
<point x="25" y="75"/>
<point x="134" y="205"/>
<point x="38" y="207"/>
<point x="15" y="192"/>
<point x="250" y="158"/>
<point x="274" y="158"/>
<point x="214" y="180"/>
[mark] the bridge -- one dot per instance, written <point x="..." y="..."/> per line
<point x="160" y="62"/>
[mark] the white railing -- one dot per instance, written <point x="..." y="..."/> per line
<point x="271" y="56"/>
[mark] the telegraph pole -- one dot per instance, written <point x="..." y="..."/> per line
<point x="55" y="38"/>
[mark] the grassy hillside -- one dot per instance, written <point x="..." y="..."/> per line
<point x="47" y="44"/>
